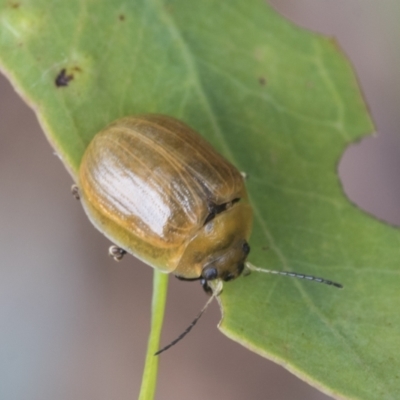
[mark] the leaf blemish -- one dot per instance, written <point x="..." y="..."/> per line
<point x="262" y="81"/>
<point x="121" y="17"/>
<point x="63" y="79"/>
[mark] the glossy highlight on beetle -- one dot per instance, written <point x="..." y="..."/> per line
<point x="159" y="191"/>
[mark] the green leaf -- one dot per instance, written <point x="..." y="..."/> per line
<point x="282" y="104"/>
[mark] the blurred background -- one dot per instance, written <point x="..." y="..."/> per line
<point x="74" y="324"/>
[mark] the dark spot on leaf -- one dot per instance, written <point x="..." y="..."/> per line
<point x="63" y="78"/>
<point x="121" y="17"/>
<point x="15" y="5"/>
<point x="262" y="81"/>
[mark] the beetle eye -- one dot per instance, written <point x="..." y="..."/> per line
<point x="210" y="273"/>
<point x="246" y="248"/>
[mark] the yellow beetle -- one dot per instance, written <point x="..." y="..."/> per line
<point x="159" y="191"/>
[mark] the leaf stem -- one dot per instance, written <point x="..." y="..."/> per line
<point x="149" y="379"/>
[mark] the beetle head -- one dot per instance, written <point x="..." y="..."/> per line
<point x="229" y="265"/>
<point x="219" y="249"/>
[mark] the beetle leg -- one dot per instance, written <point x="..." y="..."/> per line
<point x="203" y="282"/>
<point x="116" y="252"/>
<point x="181" y="278"/>
<point x="75" y="192"/>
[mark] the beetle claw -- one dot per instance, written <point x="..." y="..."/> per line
<point x="116" y="252"/>
<point x="75" y="192"/>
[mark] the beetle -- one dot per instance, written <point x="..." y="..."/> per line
<point x="161" y="192"/>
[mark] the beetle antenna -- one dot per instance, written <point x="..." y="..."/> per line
<point x="216" y="292"/>
<point x="252" y="267"/>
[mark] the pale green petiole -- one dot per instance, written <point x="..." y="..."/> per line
<point x="149" y="380"/>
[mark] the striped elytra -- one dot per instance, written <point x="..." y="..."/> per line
<point x="159" y="191"/>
